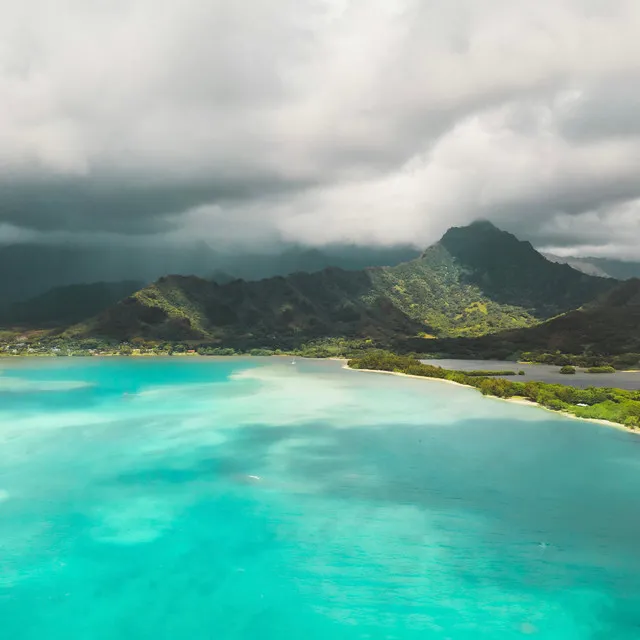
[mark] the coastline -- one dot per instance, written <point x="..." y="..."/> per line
<point x="514" y="400"/>
<point x="344" y="361"/>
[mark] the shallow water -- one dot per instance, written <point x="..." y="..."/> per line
<point x="253" y="498"/>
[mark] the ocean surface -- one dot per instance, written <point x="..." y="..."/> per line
<point x="225" y="499"/>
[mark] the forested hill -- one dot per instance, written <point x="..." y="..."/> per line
<point x="511" y="271"/>
<point x="479" y="279"/>
<point x="607" y="326"/>
<point x="275" y="312"/>
<point x="476" y="280"/>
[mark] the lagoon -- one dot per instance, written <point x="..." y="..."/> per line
<point x="549" y="373"/>
<point x="255" y="498"/>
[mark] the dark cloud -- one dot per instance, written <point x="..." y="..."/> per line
<point x="321" y="121"/>
<point x="124" y="206"/>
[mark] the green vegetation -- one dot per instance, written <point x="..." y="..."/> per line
<point x="478" y="293"/>
<point x="476" y="280"/>
<point x="279" y="313"/>
<point x="603" y="332"/>
<point x="567" y="369"/>
<point x="334" y="348"/>
<point x="604" y="369"/>
<point x="606" y="327"/>
<point x="42" y="343"/>
<point x="586" y="361"/>
<point x="479" y="280"/>
<point x="435" y="291"/>
<point x="614" y="405"/>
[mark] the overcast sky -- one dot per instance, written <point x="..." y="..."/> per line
<point x="320" y="121"/>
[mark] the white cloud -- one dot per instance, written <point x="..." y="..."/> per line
<point x="318" y="120"/>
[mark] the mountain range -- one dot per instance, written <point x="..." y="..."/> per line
<point x="476" y="280"/>
<point x="478" y="292"/>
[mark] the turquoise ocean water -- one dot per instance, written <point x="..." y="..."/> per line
<point x="260" y="499"/>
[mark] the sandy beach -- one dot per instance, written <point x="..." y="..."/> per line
<point x="515" y="400"/>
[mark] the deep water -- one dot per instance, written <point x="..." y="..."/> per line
<point x="259" y="499"/>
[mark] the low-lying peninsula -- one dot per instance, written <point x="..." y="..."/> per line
<point x="608" y="404"/>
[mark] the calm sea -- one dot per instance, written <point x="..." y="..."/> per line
<point x="264" y="499"/>
<point x="629" y="380"/>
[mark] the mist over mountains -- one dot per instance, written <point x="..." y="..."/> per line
<point x="28" y="270"/>
<point x="603" y="267"/>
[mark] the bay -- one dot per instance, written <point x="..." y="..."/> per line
<point x="549" y="373"/>
<point x="259" y="498"/>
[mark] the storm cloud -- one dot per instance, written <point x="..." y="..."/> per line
<point x="321" y="121"/>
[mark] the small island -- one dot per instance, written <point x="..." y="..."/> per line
<point x="602" y="369"/>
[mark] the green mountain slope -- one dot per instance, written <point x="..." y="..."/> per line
<point x="606" y="326"/>
<point x="479" y="279"/>
<point x="277" y="311"/>
<point x="609" y="325"/>
<point x="476" y="280"/>
<point x="66" y="305"/>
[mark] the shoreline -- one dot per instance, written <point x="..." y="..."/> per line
<point x="514" y="400"/>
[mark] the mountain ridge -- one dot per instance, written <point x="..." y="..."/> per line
<point x="475" y="280"/>
<point x="38" y="268"/>
<point x="606" y="326"/>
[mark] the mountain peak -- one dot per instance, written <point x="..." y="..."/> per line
<point x="511" y="271"/>
<point x="482" y="241"/>
<point x="477" y="231"/>
<point x="481" y="223"/>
